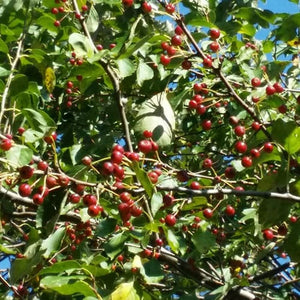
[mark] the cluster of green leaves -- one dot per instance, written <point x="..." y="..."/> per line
<point x="39" y="59"/>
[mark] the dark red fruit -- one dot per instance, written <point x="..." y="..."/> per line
<point x="74" y="198"/>
<point x="153" y="176"/>
<point x="168" y="200"/>
<point x="170" y="8"/>
<point x="125" y="197"/>
<point x="89" y="199"/>
<point x="25" y="189"/>
<point x="207" y="62"/>
<point x="136" y="211"/>
<point x="255" y="126"/>
<point x="147" y="134"/>
<point x="278" y="87"/>
<point x="38" y="199"/>
<point x="254" y="153"/>
<point x="116" y="157"/>
<point x="214" y="46"/>
<point x="201" y="109"/>
<point x="127" y="3"/>
<point x="63" y="180"/>
<point x="176" y="40"/>
<point x="270" y="90"/>
<point x="230" y="211"/>
<point x="179" y="30"/>
<point x="6" y="144"/>
<point x="94" y="210"/>
<point x="268" y="147"/>
<point x="51" y="182"/>
<point x="26" y="172"/>
<point x="230" y="172"/>
<point x="56" y="23"/>
<point x="42" y="165"/>
<point x="239" y="130"/>
<point x="107" y="168"/>
<point x="207" y="163"/>
<point x="206" y="124"/>
<point x="50" y="138"/>
<point x="186" y="64"/>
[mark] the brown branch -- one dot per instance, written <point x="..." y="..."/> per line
<point x="114" y="79"/>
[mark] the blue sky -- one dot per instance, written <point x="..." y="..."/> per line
<point x="280" y="6"/>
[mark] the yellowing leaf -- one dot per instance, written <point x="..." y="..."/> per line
<point x="137" y="262"/>
<point x="125" y="291"/>
<point x="49" y="79"/>
<point x="294" y="43"/>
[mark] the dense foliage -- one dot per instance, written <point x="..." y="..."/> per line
<point x="149" y="150"/>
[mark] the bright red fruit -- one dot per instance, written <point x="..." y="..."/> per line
<point x="42" y="165"/>
<point x="146" y="7"/>
<point x="270" y="90"/>
<point x="125" y="197"/>
<point x="145" y="146"/>
<point x="239" y="130"/>
<point x="38" y="199"/>
<point x="84" y="7"/>
<point x="165" y="59"/>
<point x="56" y="23"/>
<point x="278" y="87"/>
<point x="293" y="219"/>
<point x="170" y="8"/>
<point x="178" y="30"/>
<point x="74" y="198"/>
<point x="170" y="220"/>
<point x="6" y="144"/>
<point x="89" y="199"/>
<point x="54" y="10"/>
<point x="63" y="180"/>
<point x="268" y="234"/>
<point x="147" y="134"/>
<point x="86" y="160"/>
<point x="207" y="163"/>
<point x="116" y="157"/>
<point x="94" y="210"/>
<point x="255" y="82"/>
<point x="43" y="190"/>
<point x="207" y="213"/>
<point x="50" y="138"/>
<point x="107" y="168"/>
<point x="254" y="153"/>
<point x="230" y="211"/>
<point x="247" y="161"/>
<point x="195" y="185"/>
<point x="268" y="147"/>
<point x="127" y="3"/>
<point x="214" y="46"/>
<point x="25" y="189"/>
<point x="136" y="211"/>
<point x="201" y="109"/>
<point x="153" y="177"/>
<point x="255" y="126"/>
<point x="207" y="62"/>
<point x="214" y="33"/>
<point x="176" y="40"/>
<point x="206" y="124"/>
<point x="51" y="182"/>
<point x="240" y="146"/>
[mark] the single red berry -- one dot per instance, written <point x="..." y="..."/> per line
<point x="107" y="168"/>
<point x="84" y="8"/>
<point x="179" y="30"/>
<point x="159" y="242"/>
<point x="51" y="182"/>
<point x="86" y="160"/>
<point x="120" y="258"/>
<point x="214" y="46"/>
<point x="254" y="153"/>
<point x="153" y="177"/>
<point x="278" y="87"/>
<point x="230" y="172"/>
<point x="50" y="138"/>
<point x="147" y="134"/>
<point x="233" y="120"/>
<point x="119" y="148"/>
<point x="168" y="200"/>
<point x="89" y="199"/>
<point x="241" y="147"/>
<point x="165" y="45"/>
<point x="255" y="99"/>
<point x="268" y="147"/>
<point x="136" y="211"/>
<point x="255" y="126"/>
<point x="170" y="220"/>
<point x="56" y="23"/>
<point x="26" y="172"/>
<point x="207" y="163"/>
<point x="239" y="130"/>
<point x="282" y="109"/>
<point x="25" y="189"/>
<point x="74" y="198"/>
<point x="125" y="197"/>
<point x="270" y="90"/>
<point x="63" y="180"/>
<point x="116" y="157"/>
<point x="230" y="211"/>
<point x="247" y="161"/>
<point x="146" y="7"/>
<point x="207" y="213"/>
<point x="145" y="146"/>
<point x="214" y="33"/>
<point x="255" y="82"/>
<point x="127" y="3"/>
<point x="6" y="144"/>
<point x="293" y="219"/>
<point x="201" y="109"/>
<point x="268" y="234"/>
<point x="21" y="130"/>
<point x="195" y="185"/>
<point x="54" y="10"/>
<point x="193" y="104"/>
<point x="186" y="64"/>
<point x="119" y="171"/>
<point x="42" y="165"/>
<point x="94" y="210"/>
<point x="207" y="62"/>
<point x="38" y="199"/>
<point x="170" y="8"/>
<point x="206" y="124"/>
<point x="61" y="9"/>
<point x="176" y="40"/>
<point x="165" y="59"/>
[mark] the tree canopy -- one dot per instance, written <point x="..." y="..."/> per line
<point x="149" y="150"/>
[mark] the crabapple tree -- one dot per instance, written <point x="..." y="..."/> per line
<point x="149" y="150"/>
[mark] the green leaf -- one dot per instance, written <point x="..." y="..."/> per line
<point x="60" y="267"/>
<point x="156" y="203"/>
<point x="19" y="155"/>
<point x="5" y="250"/>
<point x="172" y="240"/>
<point x="3" y="46"/>
<point x="116" y="244"/>
<point x="143" y="178"/>
<point x="196" y="203"/>
<point x="125" y="291"/>
<point x="144" y="72"/>
<point x="53" y="242"/>
<point x="67" y="285"/>
<point x="81" y="44"/>
<point x="152" y="271"/>
<point x="292" y="242"/>
<point x="106" y="227"/>
<point x="203" y="241"/>
<point x="38" y="120"/>
<point x="18" y="84"/>
<point x="157" y="115"/>
<point x="126" y="67"/>
<point x="288" y="28"/>
<point x="273" y="211"/>
<point x="92" y="21"/>
<point x="4" y="72"/>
